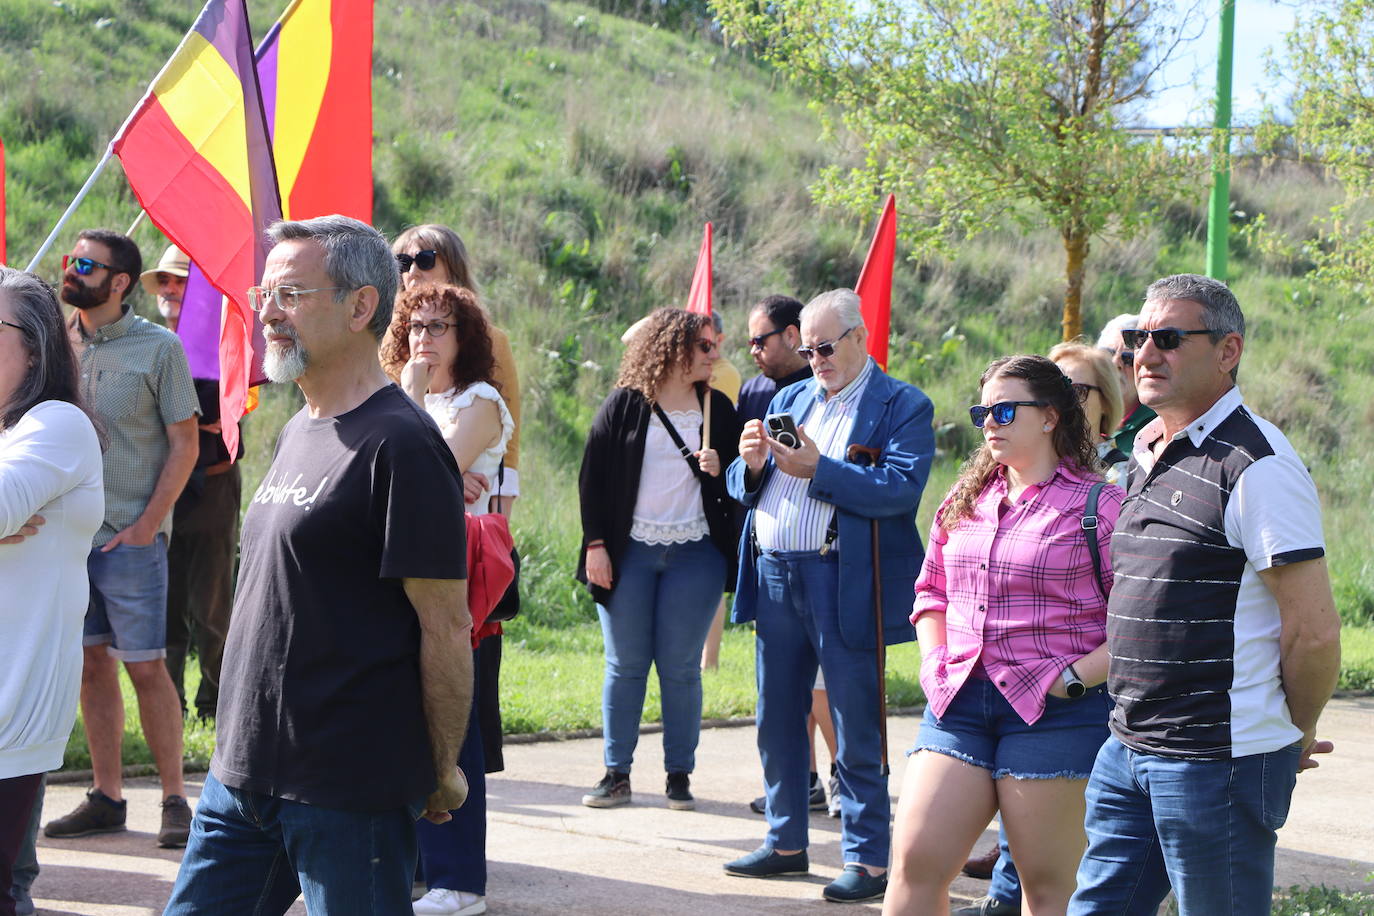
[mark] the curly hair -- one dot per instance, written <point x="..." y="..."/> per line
<point x="1071" y="438"/>
<point x="472" y="363"/>
<point x="662" y="345"/>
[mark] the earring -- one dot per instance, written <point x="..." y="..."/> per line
<point x="1046" y="427"/>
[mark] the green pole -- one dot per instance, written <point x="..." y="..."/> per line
<point x="1219" y="210"/>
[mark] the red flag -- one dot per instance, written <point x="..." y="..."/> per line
<point x="198" y="157"/>
<point x="699" y="299"/>
<point x="875" y="283"/>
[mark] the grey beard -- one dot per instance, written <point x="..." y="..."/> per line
<point x="286" y="364"/>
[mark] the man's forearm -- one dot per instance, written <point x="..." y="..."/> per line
<point x="446" y="687"/>
<point x="181" y="461"/>
<point x="1310" y="671"/>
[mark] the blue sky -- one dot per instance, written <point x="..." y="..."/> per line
<point x="1260" y="26"/>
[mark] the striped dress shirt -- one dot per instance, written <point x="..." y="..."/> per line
<point x="787" y="518"/>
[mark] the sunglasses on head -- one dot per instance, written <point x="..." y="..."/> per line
<point x="83" y="266"/>
<point x="1003" y="412"/>
<point x="824" y="350"/>
<point x="421" y="259"/>
<point x="1164" y="338"/>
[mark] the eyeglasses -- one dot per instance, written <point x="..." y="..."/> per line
<point x="757" y="343"/>
<point x="1127" y="356"/>
<point x="706" y="346"/>
<point x="1081" y="390"/>
<point x="435" y="328"/>
<point x="11" y="324"/>
<point x="1164" y="338"/>
<point x="1003" y="412"/>
<point x="287" y="298"/>
<point x="825" y="350"/>
<point x="83" y="266"/>
<point x="421" y="259"/>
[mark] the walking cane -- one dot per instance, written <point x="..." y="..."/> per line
<point x="863" y="455"/>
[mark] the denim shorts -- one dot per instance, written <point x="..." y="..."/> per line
<point x="980" y="727"/>
<point x="128" y="608"/>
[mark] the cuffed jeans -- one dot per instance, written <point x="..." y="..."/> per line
<point x="1206" y="827"/>
<point x="254" y="854"/>
<point x="798" y="628"/>
<point x="664" y="600"/>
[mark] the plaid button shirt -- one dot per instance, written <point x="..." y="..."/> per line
<point x="1016" y="586"/>
<point x="134" y="375"/>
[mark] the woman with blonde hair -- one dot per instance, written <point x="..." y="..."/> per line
<point x="1011" y="615"/>
<point x="1098" y="386"/>
<point x="658" y="542"/>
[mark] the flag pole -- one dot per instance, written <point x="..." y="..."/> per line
<point x="80" y="196"/>
<point x="135" y="224"/>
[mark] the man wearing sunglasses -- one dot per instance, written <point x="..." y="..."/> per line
<point x="134" y="374"/>
<point x="350" y="629"/>
<point x="1223" y="636"/>
<point x="806" y="579"/>
<point x="1134" y="414"/>
<point x="774" y="336"/>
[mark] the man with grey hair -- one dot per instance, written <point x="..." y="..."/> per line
<point x="1222" y="631"/>
<point x="350" y="627"/>
<point x="1134" y="415"/>
<point x="806" y="579"/>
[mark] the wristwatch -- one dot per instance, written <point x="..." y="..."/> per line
<point x="1073" y="684"/>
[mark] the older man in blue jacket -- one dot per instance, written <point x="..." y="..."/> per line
<point x="806" y="579"/>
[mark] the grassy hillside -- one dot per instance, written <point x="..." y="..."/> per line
<point x="578" y="153"/>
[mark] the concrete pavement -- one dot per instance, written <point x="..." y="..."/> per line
<point x="548" y="854"/>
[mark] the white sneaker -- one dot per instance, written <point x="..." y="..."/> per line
<point x="443" y="902"/>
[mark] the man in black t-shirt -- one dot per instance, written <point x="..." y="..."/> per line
<point x="347" y="675"/>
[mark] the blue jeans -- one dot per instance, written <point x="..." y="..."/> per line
<point x="798" y="629"/>
<point x="1206" y="827"/>
<point x="664" y="600"/>
<point x="453" y="855"/>
<point x="254" y="854"/>
<point x="128" y="609"/>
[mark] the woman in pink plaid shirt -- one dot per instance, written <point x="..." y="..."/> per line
<point x="1011" y="618"/>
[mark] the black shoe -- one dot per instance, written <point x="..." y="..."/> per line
<point x="989" y="906"/>
<point x="759" y="805"/>
<point x="765" y="863"/>
<point x="817" y="799"/>
<point x="855" y="884"/>
<point x="679" y="790"/>
<point x="97" y="814"/>
<point x="611" y="792"/>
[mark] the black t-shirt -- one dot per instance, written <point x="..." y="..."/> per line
<point x="320" y="696"/>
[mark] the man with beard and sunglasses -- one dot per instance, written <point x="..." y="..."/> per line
<point x="1222" y="633"/>
<point x="806" y="571"/>
<point x="134" y="375"/>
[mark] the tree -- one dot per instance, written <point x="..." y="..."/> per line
<point x="977" y="113"/>
<point x="1330" y="60"/>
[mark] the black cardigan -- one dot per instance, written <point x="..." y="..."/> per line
<point x="608" y="483"/>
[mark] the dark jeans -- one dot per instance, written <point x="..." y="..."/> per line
<point x="200" y="582"/>
<point x="252" y="855"/>
<point x="26" y="861"/>
<point x="797" y="629"/>
<point x="17" y="795"/>
<point x="1205" y="827"/>
<point x="453" y="855"/>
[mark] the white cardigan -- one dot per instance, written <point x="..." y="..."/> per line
<point x="50" y="464"/>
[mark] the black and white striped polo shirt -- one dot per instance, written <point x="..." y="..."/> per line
<point x="1192" y="631"/>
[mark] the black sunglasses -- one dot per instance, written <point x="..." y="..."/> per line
<point x="706" y="346"/>
<point x="756" y="343"/>
<point x="83" y="266"/>
<point x="421" y="259"/>
<point x="825" y="350"/>
<point x="1164" y="338"/>
<point x="1003" y="412"/>
<point x="1081" y="390"/>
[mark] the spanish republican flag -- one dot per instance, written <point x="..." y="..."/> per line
<point x="197" y="155"/>
<point x="315" y="68"/>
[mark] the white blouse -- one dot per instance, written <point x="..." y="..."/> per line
<point x="668" y="508"/>
<point x="444" y="407"/>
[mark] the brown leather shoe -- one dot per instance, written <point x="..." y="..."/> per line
<point x="981" y="866"/>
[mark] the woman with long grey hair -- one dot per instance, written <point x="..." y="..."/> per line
<point x="52" y="500"/>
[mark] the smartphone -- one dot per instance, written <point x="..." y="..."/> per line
<point x="782" y="427"/>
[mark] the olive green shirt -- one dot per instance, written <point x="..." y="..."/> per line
<point x="1125" y="433"/>
<point x="134" y="376"/>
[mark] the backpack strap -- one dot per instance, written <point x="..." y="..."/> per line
<point x="1089" y="525"/>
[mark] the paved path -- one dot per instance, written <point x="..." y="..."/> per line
<point x="550" y="855"/>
